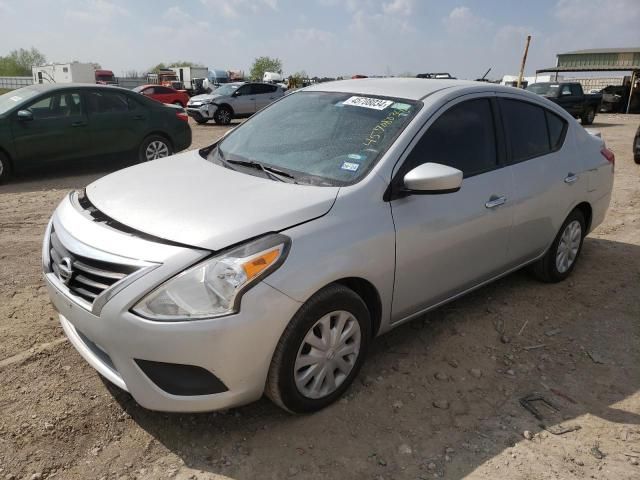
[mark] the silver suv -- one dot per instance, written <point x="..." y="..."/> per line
<point x="268" y="262"/>
<point x="232" y="100"/>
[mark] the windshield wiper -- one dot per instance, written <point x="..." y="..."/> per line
<point x="269" y="171"/>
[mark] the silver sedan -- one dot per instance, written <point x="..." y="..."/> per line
<point x="269" y="261"/>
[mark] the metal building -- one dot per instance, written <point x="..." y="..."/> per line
<point x="600" y="60"/>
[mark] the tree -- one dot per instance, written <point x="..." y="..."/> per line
<point x="19" y="62"/>
<point x="265" y="64"/>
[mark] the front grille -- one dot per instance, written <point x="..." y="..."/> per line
<point x="84" y="277"/>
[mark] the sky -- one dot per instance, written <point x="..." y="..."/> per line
<point x="321" y="37"/>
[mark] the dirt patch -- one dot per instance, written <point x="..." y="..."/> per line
<point x="437" y="398"/>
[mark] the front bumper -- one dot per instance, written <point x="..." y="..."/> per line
<point x="237" y="349"/>
<point x="202" y="111"/>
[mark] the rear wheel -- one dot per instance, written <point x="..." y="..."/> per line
<point x="561" y="258"/>
<point x="320" y="351"/>
<point x="223" y="116"/>
<point x="154" y="147"/>
<point x="589" y="116"/>
<point x="5" y="168"/>
<point x="200" y="120"/>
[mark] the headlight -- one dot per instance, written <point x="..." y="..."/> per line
<point x="213" y="288"/>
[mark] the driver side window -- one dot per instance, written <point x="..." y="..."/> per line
<point x="243" y="90"/>
<point x="56" y="106"/>
<point x="463" y="137"/>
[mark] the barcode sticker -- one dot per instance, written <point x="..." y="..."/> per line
<point x="368" y="102"/>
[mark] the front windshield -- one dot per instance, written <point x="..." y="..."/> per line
<point x="14" y="97"/>
<point x="545" y="89"/>
<point x="319" y="137"/>
<point x="225" y="90"/>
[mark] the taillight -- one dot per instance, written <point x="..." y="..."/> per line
<point x="608" y="154"/>
<point x="182" y="116"/>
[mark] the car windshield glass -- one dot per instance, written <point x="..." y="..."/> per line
<point x="545" y="89"/>
<point x="15" y="97"/>
<point x="318" y="137"/>
<point x="226" y="89"/>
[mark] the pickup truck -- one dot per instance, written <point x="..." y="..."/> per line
<point x="569" y="95"/>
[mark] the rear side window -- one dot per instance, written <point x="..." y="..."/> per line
<point x="107" y="102"/>
<point x="531" y="130"/>
<point x="557" y="128"/>
<point x="526" y="128"/>
<point x="463" y="137"/>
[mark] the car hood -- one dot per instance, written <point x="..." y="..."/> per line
<point x="205" y="97"/>
<point x="187" y="199"/>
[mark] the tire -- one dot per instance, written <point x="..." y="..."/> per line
<point x="636" y="151"/>
<point x="154" y="143"/>
<point x="223" y="116"/>
<point x="588" y="117"/>
<point x="200" y="120"/>
<point x="5" y="168"/>
<point x="550" y="268"/>
<point x="335" y="306"/>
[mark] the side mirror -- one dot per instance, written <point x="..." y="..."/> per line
<point x="25" y="115"/>
<point x="433" y="178"/>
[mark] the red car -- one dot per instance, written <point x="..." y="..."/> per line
<point x="164" y="94"/>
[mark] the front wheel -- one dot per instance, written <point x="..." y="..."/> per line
<point x="154" y="147"/>
<point x="320" y="351"/>
<point x="561" y="258"/>
<point x="222" y="116"/>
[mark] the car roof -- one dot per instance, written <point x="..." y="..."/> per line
<point x="407" y="88"/>
<point x="51" y="87"/>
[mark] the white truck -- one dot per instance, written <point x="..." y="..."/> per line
<point x="64" y="73"/>
<point x="189" y="75"/>
<point x="272" y="77"/>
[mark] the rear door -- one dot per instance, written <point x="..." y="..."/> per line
<point x="447" y="243"/>
<point x="265" y="95"/>
<point x="58" y="131"/>
<point x="117" y="123"/>
<point x="547" y="175"/>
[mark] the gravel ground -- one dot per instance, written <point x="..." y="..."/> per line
<point x="437" y="398"/>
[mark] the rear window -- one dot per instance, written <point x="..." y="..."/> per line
<point x="526" y="129"/>
<point x="531" y="130"/>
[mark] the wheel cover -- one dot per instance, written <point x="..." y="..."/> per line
<point x="156" y="149"/>
<point x="591" y="115"/>
<point x="1" y="167"/>
<point x="328" y="353"/>
<point x="568" y="246"/>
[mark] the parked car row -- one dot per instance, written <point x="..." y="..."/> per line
<point x="50" y="123"/>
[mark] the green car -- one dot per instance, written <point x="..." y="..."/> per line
<point x="42" y="124"/>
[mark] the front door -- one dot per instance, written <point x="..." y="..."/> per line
<point x="58" y="130"/>
<point x="448" y="243"/>
<point x="244" y="101"/>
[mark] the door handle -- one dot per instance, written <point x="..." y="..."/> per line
<point x="78" y="124"/>
<point x="571" y="178"/>
<point x="495" y="201"/>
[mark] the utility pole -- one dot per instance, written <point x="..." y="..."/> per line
<point x="524" y="61"/>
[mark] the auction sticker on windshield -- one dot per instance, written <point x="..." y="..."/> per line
<point x="368" y="102"/>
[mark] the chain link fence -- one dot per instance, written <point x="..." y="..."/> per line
<point x="11" y="83"/>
